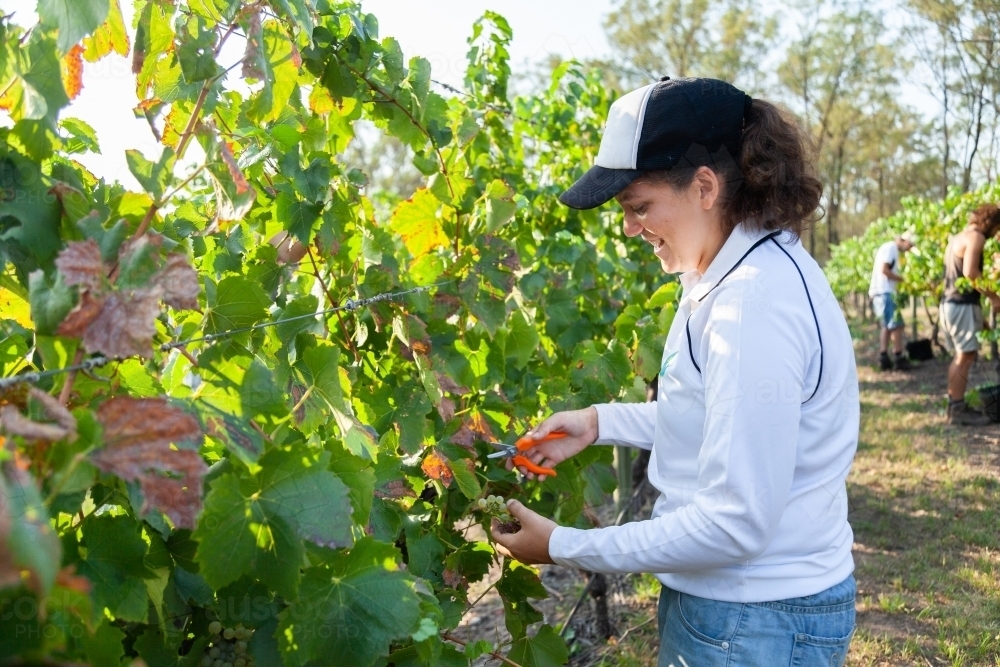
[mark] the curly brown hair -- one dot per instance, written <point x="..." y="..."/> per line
<point x="986" y="218"/>
<point x="773" y="185"/>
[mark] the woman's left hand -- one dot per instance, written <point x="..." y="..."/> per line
<point x="529" y="545"/>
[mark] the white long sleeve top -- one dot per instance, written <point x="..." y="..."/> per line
<point x="752" y="436"/>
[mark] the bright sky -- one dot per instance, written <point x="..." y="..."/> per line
<point x="435" y="29"/>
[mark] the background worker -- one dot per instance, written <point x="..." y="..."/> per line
<point x="885" y="277"/>
<point x="961" y="311"/>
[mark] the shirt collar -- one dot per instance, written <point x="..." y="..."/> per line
<point x="732" y="251"/>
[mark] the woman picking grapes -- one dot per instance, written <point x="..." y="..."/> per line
<point x="756" y="421"/>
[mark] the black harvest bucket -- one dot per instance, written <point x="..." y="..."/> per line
<point x="990" y="396"/>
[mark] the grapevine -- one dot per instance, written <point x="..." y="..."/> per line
<point x="215" y="448"/>
<point x="932" y="223"/>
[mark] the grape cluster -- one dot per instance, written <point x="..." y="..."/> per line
<point x="228" y="647"/>
<point x="495" y="506"/>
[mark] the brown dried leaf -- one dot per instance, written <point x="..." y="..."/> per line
<point x="14" y="423"/>
<point x="179" y="283"/>
<point x="446" y="409"/>
<point x="449" y="385"/>
<point x="125" y="326"/>
<point x="138" y="433"/>
<point x="80" y="264"/>
<point x="77" y="320"/>
<point x="68" y="578"/>
<point x="255" y="49"/>
<point x="436" y="467"/>
<point x="452" y="578"/>
<point x="395" y="489"/>
<point x="239" y="180"/>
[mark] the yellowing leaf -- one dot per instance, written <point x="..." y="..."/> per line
<point x="418" y="221"/>
<point x="109" y="36"/>
<point x="15" y="308"/>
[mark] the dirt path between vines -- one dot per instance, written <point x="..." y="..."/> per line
<point x="925" y="509"/>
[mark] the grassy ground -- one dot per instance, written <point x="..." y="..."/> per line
<point x="925" y="508"/>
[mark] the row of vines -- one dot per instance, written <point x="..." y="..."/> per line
<point x="230" y="449"/>
<point x="932" y="223"/>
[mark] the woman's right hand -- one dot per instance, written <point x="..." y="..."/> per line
<point x="580" y="427"/>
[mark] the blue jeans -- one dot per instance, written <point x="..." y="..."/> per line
<point x="811" y="631"/>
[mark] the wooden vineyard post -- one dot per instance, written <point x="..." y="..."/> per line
<point x="993" y="340"/>
<point x="623" y="466"/>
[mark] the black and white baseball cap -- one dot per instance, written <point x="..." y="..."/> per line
<point x="686" y="121"/>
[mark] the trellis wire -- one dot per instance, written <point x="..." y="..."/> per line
<point x="100" y="360"/>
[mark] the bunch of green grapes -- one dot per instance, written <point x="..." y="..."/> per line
<point x="496" y="507"/>
<point x="228" y="647"/>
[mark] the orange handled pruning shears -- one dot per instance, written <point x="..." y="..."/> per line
<point x="527" y="442"/>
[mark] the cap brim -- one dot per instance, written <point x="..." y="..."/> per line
<point x="597" y="186"/>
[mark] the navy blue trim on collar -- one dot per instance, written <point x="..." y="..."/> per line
<point x="760" y="242"/>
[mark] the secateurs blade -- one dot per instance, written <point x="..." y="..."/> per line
<point x="514" y="452"/>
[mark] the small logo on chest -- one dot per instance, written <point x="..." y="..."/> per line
<point x="668" y="361"/>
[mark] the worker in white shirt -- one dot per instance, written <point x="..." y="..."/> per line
<point x="756" y="420"/>
<point x="882" y="290"/>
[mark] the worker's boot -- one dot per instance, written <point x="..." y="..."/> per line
<point x="901" y="362"/>
<point x="959" y="413"/>
<point x="884" y="363"/>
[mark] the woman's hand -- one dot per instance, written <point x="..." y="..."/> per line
<point x="530" y="545"/>
<point x="580" y="427"/>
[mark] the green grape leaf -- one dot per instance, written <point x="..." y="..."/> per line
<point x="664" y="294"/>
<point x="359" y="477"/>
<point x="278" y="62"/>
<point x="82" y="137"/>
<point x="649" y="350"/>
<point x="50" y="301"/>
<point x="104" y="647"/>
<point x="26" y="199"/>
<point x="608" y="369"/>
<point x="298" y="217"/>
<point x="110" y="36"/>
<point x="115" y="565"/>
<point x="74" y="19"/>
<point x="27" y="541"/>
<point x="152" y="176"/>
<point x="545" y="649"/>
<point x="500" y="205"/>
<point x="352" y="608"/>
<point x="301" y="11"/>
<point x="467" y="482"/>
<point x="234" y="303"/>
<point x="311" y="499"/>
<point x="522" y="339"/>
<point x="517" y="583"/>
<point x="259" y="394"/>
<point x="195" y="49"/>
<point x="249" y="527"/>
<point x="418" y="221"/>
<point x="226" y="541"/>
